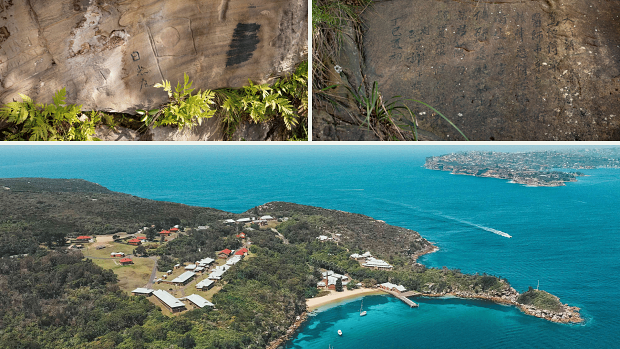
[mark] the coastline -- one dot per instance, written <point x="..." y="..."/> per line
<point x="315" y="303"/>
<point x="567" y="316"/>
<point x="335" y="297"/>
<point x="431" y="249"/>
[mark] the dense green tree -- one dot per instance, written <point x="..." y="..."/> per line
<point x="140" y="251"/>
<point x="187" y="342"/>
<point x="339" y="285"/>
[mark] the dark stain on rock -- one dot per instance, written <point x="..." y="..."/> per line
<point x="243" y="44"/>
<point x="4" y="34"/>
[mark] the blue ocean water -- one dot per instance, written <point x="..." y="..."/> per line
<point x="566" y="237"/>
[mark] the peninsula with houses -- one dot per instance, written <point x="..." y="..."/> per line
<point x="87" y="267"/>
<point x="537" y="169"/>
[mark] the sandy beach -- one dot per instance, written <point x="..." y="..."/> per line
<point x="334" y="296"/>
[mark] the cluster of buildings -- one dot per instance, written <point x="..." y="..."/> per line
<point x="137" y="240"/>
<point x="191" y="270"/>
<point x="330" y="278"/>
<point x="260" y="221"/>
<point x="369" y="261"/>
<point x="173" y="304"/>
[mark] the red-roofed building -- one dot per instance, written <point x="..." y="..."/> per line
<point x="141" y="238"/>
<point x="164" y="232"/>
<point x="241" y="235"/>
<point x="126" y="261"/>
<point x="134" y="242"/>
<point x="83" y="238"/>
<point x="242" y="252"/>
<point x="224" y="253"/>
<point x="174" y="230"/>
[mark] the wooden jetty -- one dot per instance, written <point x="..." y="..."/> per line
<point x="403" y="297"/>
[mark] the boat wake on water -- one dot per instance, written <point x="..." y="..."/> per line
<point x="491" y="230"/>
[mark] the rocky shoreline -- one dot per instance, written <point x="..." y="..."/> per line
<point x="566" y="315"/>
<point x="291" y="330"/>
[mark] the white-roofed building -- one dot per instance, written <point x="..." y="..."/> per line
<point x="233" y="260"/>
<point x="190" y="267"/>
<point x="199" y="269"/>
<point x="321" y="284"/>
<point x="229" y="221"/>
<point x="323" y="238"/>
<point x="202" y="227"/>
<point x="217" y="272"/>
<point x="267" y="218"/>
<point x="169" y="301"/>
<point x="141" y="291"/>
<point x="336" y="275"/>
<point x="198" y="301"/>
<point x="377" y="264"/>
<point x="183" y="278"/>
<point x="392" y="287"/>
<point x="205" y="284"/>
<point x="205" y="261"/>
<point x="332" y="280"/>
<point x="244" y="220"/>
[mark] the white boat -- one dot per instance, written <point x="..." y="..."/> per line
<point x="362" y="313"/>
<point x="339" y="332"/>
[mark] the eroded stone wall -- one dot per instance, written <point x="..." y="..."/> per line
<point x="501" y="70"/>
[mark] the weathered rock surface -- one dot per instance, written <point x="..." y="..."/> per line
<point x="502" y="70"/>
<point x="110" y="53"/>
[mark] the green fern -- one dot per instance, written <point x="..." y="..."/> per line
<point x="286" y="98"/>
<point x="48" y="122"/>
<point x="184" y="109"/>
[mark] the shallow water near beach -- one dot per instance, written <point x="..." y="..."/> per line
<point x="566" y="237"/>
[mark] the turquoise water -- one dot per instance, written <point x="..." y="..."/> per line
<point x="565" y="237"/>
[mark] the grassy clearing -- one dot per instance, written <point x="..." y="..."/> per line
<point x="129" y="276"/>
<point x="90" y="250"/>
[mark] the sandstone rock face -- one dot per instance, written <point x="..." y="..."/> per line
<point x="502" y="70"/>
<point x="110" y="53"/>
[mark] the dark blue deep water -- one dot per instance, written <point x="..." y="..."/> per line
<point x="566" y="237"/>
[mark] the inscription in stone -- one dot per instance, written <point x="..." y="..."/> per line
<point x="511" y="71"/>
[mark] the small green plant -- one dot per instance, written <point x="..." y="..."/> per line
<point x="332" y="22"/>
<point x="379" y="112"/>
<point x="184" y="108"/>
<point x="49" y="122"/>
<point x="286" y="98"/>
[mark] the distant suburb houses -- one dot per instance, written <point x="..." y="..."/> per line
<point x="368" y="261"/>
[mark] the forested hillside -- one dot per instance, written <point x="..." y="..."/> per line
<point x="41" y="210"/>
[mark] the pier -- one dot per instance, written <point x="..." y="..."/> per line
<point x="403" y="297"/>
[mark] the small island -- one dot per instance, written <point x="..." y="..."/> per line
<point x="85" y="266"/>
<point x="536" y="169"/>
